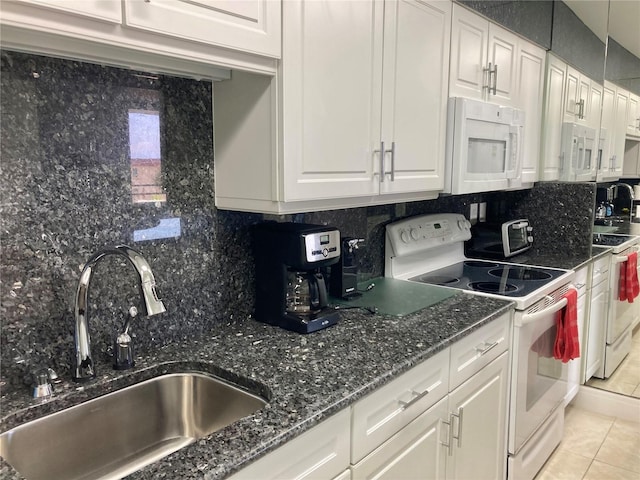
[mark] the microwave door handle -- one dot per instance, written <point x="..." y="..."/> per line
<point x="514" y="164"/>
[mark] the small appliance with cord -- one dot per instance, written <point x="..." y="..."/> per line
<point x="291" y="290"/>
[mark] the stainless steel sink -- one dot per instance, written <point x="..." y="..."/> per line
<point x="119" y="433"/>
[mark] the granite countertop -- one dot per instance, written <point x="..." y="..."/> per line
<point x="306" y="378"/>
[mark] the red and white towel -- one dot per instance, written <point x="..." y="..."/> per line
<point x="629" y="287"/>
<point x="567" y="344"/>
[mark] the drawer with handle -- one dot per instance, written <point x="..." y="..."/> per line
<point x="378" y="416"/>
<point x="472" y="353"/>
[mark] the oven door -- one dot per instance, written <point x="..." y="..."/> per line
<point x="622" y="314"/>
<point x="539" y="381"/>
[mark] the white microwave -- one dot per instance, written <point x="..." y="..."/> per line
<point x="484" y="147"/>
<point x="578" y="156"/>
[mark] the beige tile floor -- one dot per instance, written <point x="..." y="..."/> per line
<point x="626" y="378"/>
<point x="595" y="447"/>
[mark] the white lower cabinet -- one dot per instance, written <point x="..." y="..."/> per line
<point x="478" y="443"/>
<point x="596" y="329"/>
<point x="417" y="451"/>
<point x="321" y="453"/>
<point x="460" y="433"/>
<point x="443" y="419"/>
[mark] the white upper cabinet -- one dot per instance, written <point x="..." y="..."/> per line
<point x="571" y="121"/>
<point x="492" y="64"/>
<point x="332" y="89"/>
<point x="105" y="10"/>
<point x="415" y="81"/>
<point x="530" y="88"/>
<point x="580" y="105"/>
<point x="633" y="117"/>
<point x="613" y="132"/>
<point x="553" y="117"/>
<point x="483" y="62"/>
<point x="199" y="38"/>
<point x="247" y="25"/>
<point x="356" y="115"/>
<point x="377" y="127"/>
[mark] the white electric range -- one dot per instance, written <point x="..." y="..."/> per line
<point x="430" y="249"/>
<point x="622" y="315"/>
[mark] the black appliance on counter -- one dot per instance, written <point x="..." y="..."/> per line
<point x="291" y="290"/>
<point x="343" y="282"/>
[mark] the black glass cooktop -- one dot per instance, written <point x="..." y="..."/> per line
<point x="609" y="240"/>
<point x="491" y="277"/>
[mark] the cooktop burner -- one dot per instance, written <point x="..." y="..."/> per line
<point x="493" y="287"/>
<point x="491" y="277"/>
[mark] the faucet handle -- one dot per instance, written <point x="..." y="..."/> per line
<point x="123" y="345"/>
<point x="42" y="386"/>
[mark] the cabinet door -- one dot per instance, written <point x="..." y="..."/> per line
<point x="105" y="10"/>
<point x="502" y="56"/>
<point x="597" y="328"/>
<point x="530" y="74"/>
<point x="478" y="446"/>
<point x="571" y="98"/>
<point x="416" y="451"/>
<point x="331" y="96"/>
<point x="633" y="116"/>
<point x="595" y="106"/>
<point x="415" y="80"/>
<point x="607" y="130"/>
<point x="553" y="118"/>
<point x="251" y="25"/>
<point x="619" y="133"/>
<point x="469" y="47"/>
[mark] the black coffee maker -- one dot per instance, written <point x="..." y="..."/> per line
<point x="291" y="291"/>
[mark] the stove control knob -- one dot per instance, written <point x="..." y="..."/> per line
<point x="404" y="236"/>
<point x="464" y="224"/>
<point x="530" y="239"/>
<point x="414" y="234"/>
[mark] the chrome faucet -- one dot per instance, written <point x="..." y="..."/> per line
<point x="631" y="195"/>
<point x="84" y="367"/>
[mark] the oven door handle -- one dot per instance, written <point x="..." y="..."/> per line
<point x="534" y="317"/>
<point x="623" y="258"/>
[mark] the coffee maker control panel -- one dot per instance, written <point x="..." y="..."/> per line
<point x="322" y="245"/>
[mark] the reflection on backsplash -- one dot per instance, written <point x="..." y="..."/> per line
<point x="95" y="156"/>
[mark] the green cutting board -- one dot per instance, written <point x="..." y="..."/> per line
<point x="397" y="297"/>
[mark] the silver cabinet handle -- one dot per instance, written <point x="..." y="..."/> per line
<point x="418" y="396"/>
<point x="495" y="79"/>
<point x="393" y="160"/>
<point x="459" y="416"/>
<point x="581" y="108"/>
<point x="485" y="348"/>
<point x="382" y="153"/>
<point x="449" y="441"/>
<point x="491" y="72"/>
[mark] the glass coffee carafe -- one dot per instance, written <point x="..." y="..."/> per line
<point x="306" y="293"/>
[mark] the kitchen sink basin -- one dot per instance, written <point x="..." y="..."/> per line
<point x="116" y="434"/>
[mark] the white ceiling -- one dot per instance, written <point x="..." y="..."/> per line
<point x="623" y="20"/>
<point x="624" y="24"/>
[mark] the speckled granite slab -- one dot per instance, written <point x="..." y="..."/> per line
<point x="306" y="378"/>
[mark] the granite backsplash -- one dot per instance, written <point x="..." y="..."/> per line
<point x="96" y="156"/>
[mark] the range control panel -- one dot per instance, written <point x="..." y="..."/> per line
<point x="424" y="232"/>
